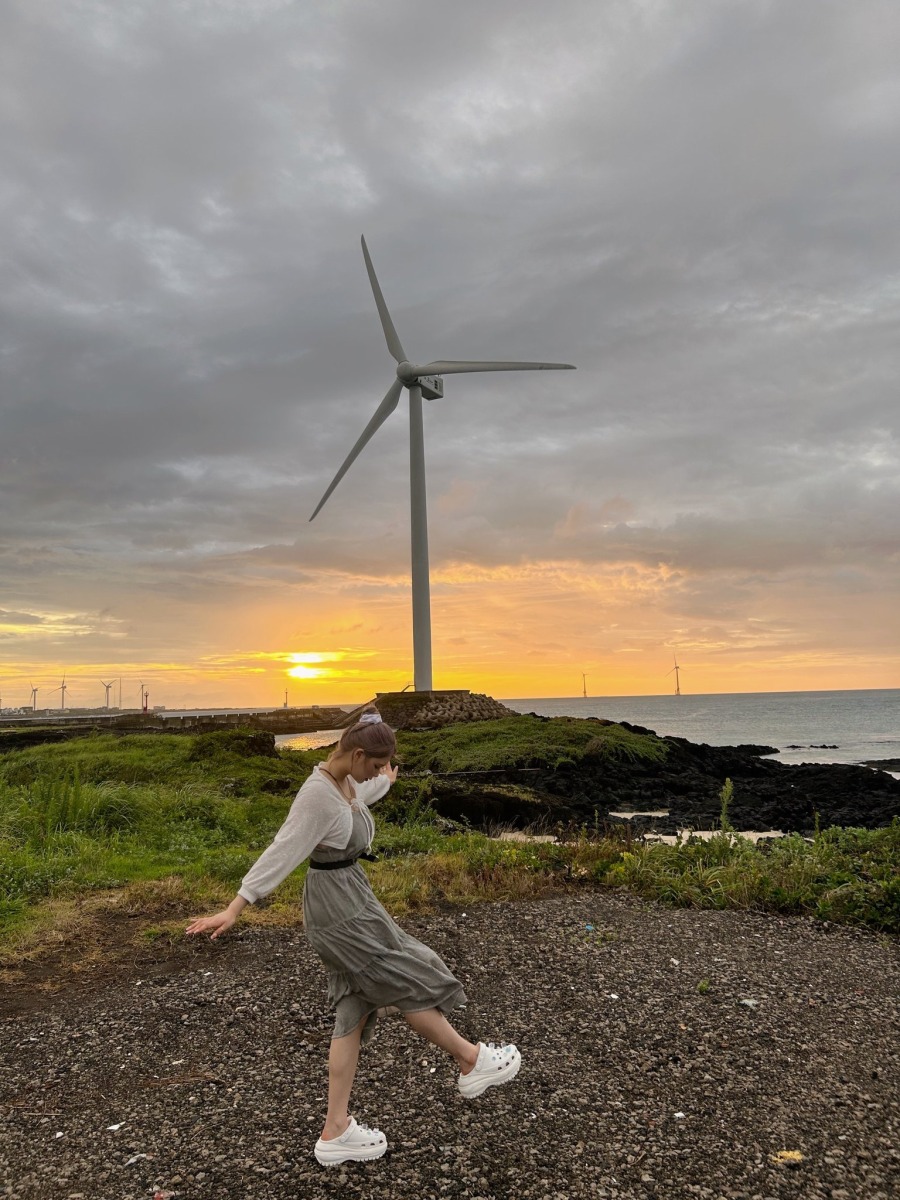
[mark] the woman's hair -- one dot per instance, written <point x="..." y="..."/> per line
<point x="369" y="734"/>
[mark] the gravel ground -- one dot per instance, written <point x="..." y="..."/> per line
<point x="665" y="1054"/>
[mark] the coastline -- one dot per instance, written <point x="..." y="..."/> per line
<point x="830" y="727"/>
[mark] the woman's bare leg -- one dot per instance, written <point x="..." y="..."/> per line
<point x="343" y="1056"/>
<point x="432" y="1025"/>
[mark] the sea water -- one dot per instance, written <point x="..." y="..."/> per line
<point x="804" y="727"/>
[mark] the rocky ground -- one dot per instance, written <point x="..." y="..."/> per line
<point x="665" y="1054"/>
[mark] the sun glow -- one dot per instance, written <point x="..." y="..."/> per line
<point x="303" y="667"/>
<point x="303" y="672"/>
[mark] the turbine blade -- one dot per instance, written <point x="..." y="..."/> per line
<point x="390" y="333"/>
<point x="452" y="367"/>
<point x="384" y="410"/>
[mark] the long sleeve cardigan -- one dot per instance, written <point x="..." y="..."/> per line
<point x="318" y="817"/>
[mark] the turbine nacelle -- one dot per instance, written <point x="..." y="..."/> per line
<point x="410" y="376"/>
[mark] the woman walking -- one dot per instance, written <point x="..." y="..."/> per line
<point x="371" y="962"/>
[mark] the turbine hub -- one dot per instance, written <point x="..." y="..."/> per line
<point x="409" y="374"/>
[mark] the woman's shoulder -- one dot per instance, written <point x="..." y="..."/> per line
<point x="317" y="801"/>
<point x="316" y="783"/>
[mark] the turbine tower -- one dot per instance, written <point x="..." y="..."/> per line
<point x="34" y="693"/>
<point x="676" y="669"/>
<point x="419" y="381"/>
<point x="108" y="686"/>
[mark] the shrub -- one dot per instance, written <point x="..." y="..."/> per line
<point x="240" y="743"/>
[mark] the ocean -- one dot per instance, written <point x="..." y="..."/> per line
<point x="810" y="727"/>
<point x="805" y="727"/>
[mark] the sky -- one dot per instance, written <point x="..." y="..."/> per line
<point x="694" y="202"/>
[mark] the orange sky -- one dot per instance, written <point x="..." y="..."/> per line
<point x="511" y="632"/>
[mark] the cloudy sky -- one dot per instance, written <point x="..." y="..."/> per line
<point x="694" y="201"/>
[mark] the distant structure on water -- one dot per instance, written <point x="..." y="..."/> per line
<point x="676" y="669"/>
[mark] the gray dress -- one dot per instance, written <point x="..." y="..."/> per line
<point x="371" y="962"/>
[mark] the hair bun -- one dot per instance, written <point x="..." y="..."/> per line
<point x="370" y="718"/>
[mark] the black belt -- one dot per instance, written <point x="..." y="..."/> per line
<point x="340" y="863"/>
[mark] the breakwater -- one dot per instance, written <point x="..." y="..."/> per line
<point x="31" y="731"/>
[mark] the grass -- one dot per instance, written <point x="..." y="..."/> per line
<point x="164" y="826"/>
<point x="847" y="875"/>
<point x="525" y="741"/>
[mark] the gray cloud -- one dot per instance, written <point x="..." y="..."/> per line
<point x="695" y="203"/>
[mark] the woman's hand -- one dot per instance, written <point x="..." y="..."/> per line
<point x="220" y="923"/>
<point x="390" y="772"/>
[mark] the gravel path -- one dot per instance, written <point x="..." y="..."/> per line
<point x="665" y="1054"/>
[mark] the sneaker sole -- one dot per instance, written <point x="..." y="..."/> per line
<point x="341" y="1156"/>
<point x="503" y="1076"/>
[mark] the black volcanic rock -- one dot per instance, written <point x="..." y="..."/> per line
<point x="767" y="794"/>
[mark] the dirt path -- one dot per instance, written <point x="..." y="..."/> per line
<point x="665" y="1054"/>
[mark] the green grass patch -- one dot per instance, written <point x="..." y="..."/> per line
<point x="161" y="816"/>
<point x="847" y="875"/>
<point x="524" y="741"/>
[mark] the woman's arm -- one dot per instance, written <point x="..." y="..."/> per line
<point x="314" y="818"/>
<point x="375" y="789"/>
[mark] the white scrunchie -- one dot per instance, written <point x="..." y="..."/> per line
<point x="370" y="719"/>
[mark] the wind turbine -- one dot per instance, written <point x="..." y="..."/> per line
<point x="107" y="686"/>
<point x="62" y="692"/>
<point x="676" y="669"/>
<point x="419" y="381"/>
<point x="34" y="693"/>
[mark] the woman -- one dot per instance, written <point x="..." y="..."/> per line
<point x="371" y="962"/>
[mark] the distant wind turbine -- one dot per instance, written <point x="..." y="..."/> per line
<point x="34" y="693"/>
<point x="62" y="692"/>
<point x="419" y="381"/>
<point x="107" y="686"/>
<point x="676" y="669"/>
